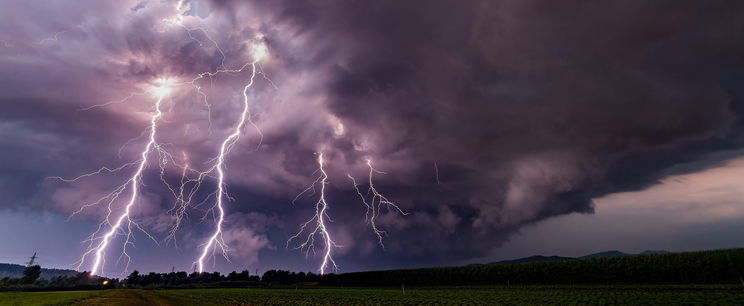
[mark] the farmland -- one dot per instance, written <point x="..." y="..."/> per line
<point x="556" y="295"/>
<point x="706" y="267"/>
<point x="710" y="277"/>
<point x="46" y="298"/>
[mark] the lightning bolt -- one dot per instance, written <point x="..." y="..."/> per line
<point x="320" y="228"/>
<point x="134" y="181"/>
<point x="179" y="21"/>
<point x="183" y="194"/>
<point x="375" y="203"/>
<point x="183" y="198"/>
<point x="259" y="52"/>
<point x="53" y="38"/>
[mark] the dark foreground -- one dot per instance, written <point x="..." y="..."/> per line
<point x="532" y="295"/>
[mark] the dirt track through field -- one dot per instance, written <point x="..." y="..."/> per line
<point x="139" y="297"/>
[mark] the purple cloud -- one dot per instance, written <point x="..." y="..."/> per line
<point x="485" y="115"/>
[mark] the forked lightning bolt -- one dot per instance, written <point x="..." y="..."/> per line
<point x="134" y="182"/>
<point x="319" y="220"/>
<point x="191" y="180"/>
<point x="259" y="51"/>
<point x="183" y="194"/>
<point x="374" y="205"/>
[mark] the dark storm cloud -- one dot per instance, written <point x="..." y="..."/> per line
<point x="528" y="109"/>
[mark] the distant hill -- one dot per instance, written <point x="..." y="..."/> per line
<point x="613" y="253"/>
<point x="605" y="254"/>
<point x="611" y="267"/>
<point x="537" y="258"/>
<point x="651" y="252"/>
<point x="14" y="271"/>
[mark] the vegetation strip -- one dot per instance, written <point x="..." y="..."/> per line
<point x="646" y="295"/>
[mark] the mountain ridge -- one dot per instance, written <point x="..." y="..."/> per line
<point x="604" y="254"/>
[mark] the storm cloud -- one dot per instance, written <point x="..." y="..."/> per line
<point x="484" y="115"/>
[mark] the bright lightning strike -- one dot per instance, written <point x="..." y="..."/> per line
<point x="100" y="249"/>
<point x="185" y="193"/>
<point x="319" y="220"/>
<point x="374" y="205"/>
<point x="162" y="89"/>
<point x="216" y="239"/>
<point x="123" y="224"/>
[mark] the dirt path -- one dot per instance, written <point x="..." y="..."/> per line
<point x="139" y="297"/>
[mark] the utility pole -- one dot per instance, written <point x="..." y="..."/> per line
<point x="32" y="261"/>
<point x="173" y="269"/>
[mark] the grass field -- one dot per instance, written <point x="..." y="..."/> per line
<point x="47" y="298"/>
<point x="534" y="295"/>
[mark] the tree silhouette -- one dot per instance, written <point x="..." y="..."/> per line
<point x="31" y="274"/>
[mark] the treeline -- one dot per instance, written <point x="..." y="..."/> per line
<point x="16" y="271"/>
<point x="30" y="281"/>
<point x="216" y="279"/>
<point x="720" y="266"/>
<point x="708" y="267"/>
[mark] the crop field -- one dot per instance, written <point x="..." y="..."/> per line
<point x="47" y="298"/>
<point x="532" y="295"/>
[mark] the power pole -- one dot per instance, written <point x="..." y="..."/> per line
<point x="194" y="268"/>
<point x="33" y="259"/>
<point x="173" y="269"/>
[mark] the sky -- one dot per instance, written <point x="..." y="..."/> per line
<point x="500" y="129"/>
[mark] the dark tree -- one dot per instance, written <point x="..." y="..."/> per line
<point x="31" y="274"/>
<point x="134" y="279"/>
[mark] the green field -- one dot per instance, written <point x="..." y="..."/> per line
<point x="46" y="298"/>
<point x="532" y="295"/>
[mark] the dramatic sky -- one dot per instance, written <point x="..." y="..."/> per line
<point x="503" y="128"/>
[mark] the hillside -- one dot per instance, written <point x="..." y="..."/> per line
<point x="613" y="253"/>
<point x="14" y="270"/>
<point x="540" y="258"/>
<point x="536" y="258"/>
<point x="706" y="267"/>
